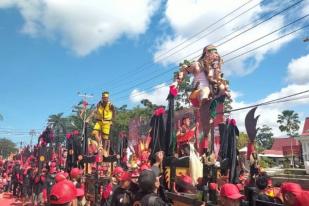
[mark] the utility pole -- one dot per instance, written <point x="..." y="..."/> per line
<point x="32" y="133"/>
<point x="84" y="117"/>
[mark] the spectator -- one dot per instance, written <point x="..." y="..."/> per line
<point x="261" y="184"/>
<point x="63" y="193"/>
<point x="122" y="196"/>
<point x="291" y="193"/>
<point x="149" y="184"/>
<point x="230" y="195"/>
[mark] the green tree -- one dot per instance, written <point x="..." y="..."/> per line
<point x="182" y="99"/>
<point x="58" y="123"/>
<point x="264" y="138"/>
<point x="242" y="140"/>
<point x="7" y="147"/>
<point x="289" y="122"/>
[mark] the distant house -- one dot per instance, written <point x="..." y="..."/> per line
<point x="283" y="148"/>
<point x="304" y="139"/>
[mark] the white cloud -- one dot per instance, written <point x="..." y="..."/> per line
<point x="298" y="70"/>
<point x="157" y="96"/>
<point x="84" y="26"/>
<point x="268" y="114"/>
<point x="187" y="17"/>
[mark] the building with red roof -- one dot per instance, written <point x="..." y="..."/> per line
<point x="283" y="147"/>
<point x="304" y="139"/>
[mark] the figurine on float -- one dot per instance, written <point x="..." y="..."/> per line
<point x="184" y="135"/>
<point x="208" y="84"/>
<point x="105" y="113"/>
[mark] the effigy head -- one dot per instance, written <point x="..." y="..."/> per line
<point x="210" y="54"/>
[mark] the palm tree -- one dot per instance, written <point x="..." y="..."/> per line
<point x="289" y="123"/>
<point x="58" y="124"/>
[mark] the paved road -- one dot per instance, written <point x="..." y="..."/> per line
<point x="7" y="200"/>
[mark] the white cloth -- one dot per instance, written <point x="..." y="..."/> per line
<point x="195" y="165"/>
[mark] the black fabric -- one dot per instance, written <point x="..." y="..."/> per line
<point x="223" y="140"/>
<point x="157" y="142"/>
<point x="170" y="140"/>
<point x="232" y="153"/>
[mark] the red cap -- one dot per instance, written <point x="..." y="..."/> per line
<point x="144" y="167"/>
<point x="75" y="172"/>
<point x="292" y="187"/>
<point x="213" y="186"/>
<point x="75" y="132"/>
<point x="135" y="174"/>
<point x="80" y="192"/>
<point x="60" y="177"/>
<point x="117" y="171"/>
<point x="304" y="197"/>
<point x="62" y="192"/>
<point x="125" y="176"/>
<point x="230" y="191"/>
<point x="52" y="170"/>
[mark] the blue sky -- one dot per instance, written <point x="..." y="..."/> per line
<point x="49" y="52"/>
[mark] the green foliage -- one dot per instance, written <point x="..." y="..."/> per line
<point x="264" y="138"/>
<point x="7" y="147"/>
<point x="182" y="99"/>
<point x="266" y="162"/>
<point x="242" y="140"/>
<point x="289" y="122"/>
<point x="59" y="124"/>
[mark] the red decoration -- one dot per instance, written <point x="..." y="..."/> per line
<point x="173" y="90"/>
<point x="232" y="122"/>
<point x="159" y="111"/>
<point x="186" y="137"/>
<point x="68" y="135"/>
<point x="85" y="104"/>
<point x="250" y="149"/>
<point x="75" y="132"/>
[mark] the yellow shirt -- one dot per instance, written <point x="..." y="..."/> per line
<point x="105" y="113"/>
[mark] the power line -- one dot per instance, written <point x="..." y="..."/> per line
<point x="294" y="31"/>
<point x="265" y="20"/>
<point x="147" y="80"/>
<point x="191" y="37"/>
<point x="274" y="40"/>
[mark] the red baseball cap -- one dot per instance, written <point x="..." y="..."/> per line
<point x="135" y="174"/>
<point x="125" y="176"/>
<point x="213" y="186"/>
<point x="144" y="167"/>
<point x="60" y="177"/>
<point x="62" y="192"/>
<point x="118" y="171"/>
<point x="75" y="172"/>
<point x="230" y="191"/>
<point x="80" y="192"/>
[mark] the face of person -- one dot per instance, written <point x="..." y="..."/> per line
<point x="105" y="99"/>
<point x="126" y="184"/>
<point x="229" y="202"/>
<point x="134" y="180"/>
<point x="187" y="122"/>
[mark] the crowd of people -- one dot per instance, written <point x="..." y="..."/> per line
<point x="53" y="185"/>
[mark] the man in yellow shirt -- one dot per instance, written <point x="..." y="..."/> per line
<point x="105" y="113"/>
